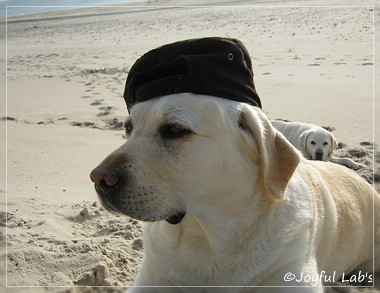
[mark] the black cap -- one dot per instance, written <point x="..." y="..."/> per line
<point x="214" y="66"/>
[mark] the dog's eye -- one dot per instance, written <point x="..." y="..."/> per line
<point x="128" y="127"/>
<point x="173" y="131"/>
<point x="325" y="143"/>
<point x="312" y="142"/>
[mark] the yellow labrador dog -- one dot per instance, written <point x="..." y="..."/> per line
<point x="314" y="142"/>
<point x="228" y="201"/>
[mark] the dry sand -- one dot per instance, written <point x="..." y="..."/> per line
<point x="65" y="79"/>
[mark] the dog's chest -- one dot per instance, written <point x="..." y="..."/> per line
<point x="188" y="259"/>
<point x="195" y="265"/>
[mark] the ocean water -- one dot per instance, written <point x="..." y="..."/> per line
<point x="22" y="7"/>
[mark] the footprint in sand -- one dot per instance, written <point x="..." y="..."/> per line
<point x="97" y="102"/>
<point x="106" y="110"/>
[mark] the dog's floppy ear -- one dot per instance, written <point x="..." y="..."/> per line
<point x="278" y="158"/>
<point x="303" y="138"/>
<point x="334" y="143"/>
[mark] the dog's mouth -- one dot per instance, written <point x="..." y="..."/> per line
<point x="115" y="205"/>
<point x="111" y="207"/>
<point x="176" y="219"/>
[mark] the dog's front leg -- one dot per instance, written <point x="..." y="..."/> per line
<point x="347" y="162"/>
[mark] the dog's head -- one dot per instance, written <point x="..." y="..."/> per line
<point x="186" y="149"/>
<point x="319" y="143"/>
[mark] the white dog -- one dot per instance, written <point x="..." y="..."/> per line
<point x="229" y="201"/>
<point x="314" y="142"/>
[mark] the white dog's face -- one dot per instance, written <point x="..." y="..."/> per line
<point x="319" y="144"/>
<point x="184" y="149"/>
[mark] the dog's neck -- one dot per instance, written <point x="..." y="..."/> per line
<point x="215" y="237"/>
<point x="218" y="227"/>
<point x="218" y="248"/>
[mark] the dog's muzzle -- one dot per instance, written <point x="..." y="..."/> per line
<point x="104" y="178"/>
<point x="107" y="184"/>
<point x="319" y="155"/>
<point x="110" y="183"/>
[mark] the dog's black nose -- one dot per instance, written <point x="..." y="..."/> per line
<point x="104" y="175"/>
<point x="319" y="155"/>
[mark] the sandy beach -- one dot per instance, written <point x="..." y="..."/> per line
<point x="64" y="84"/>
